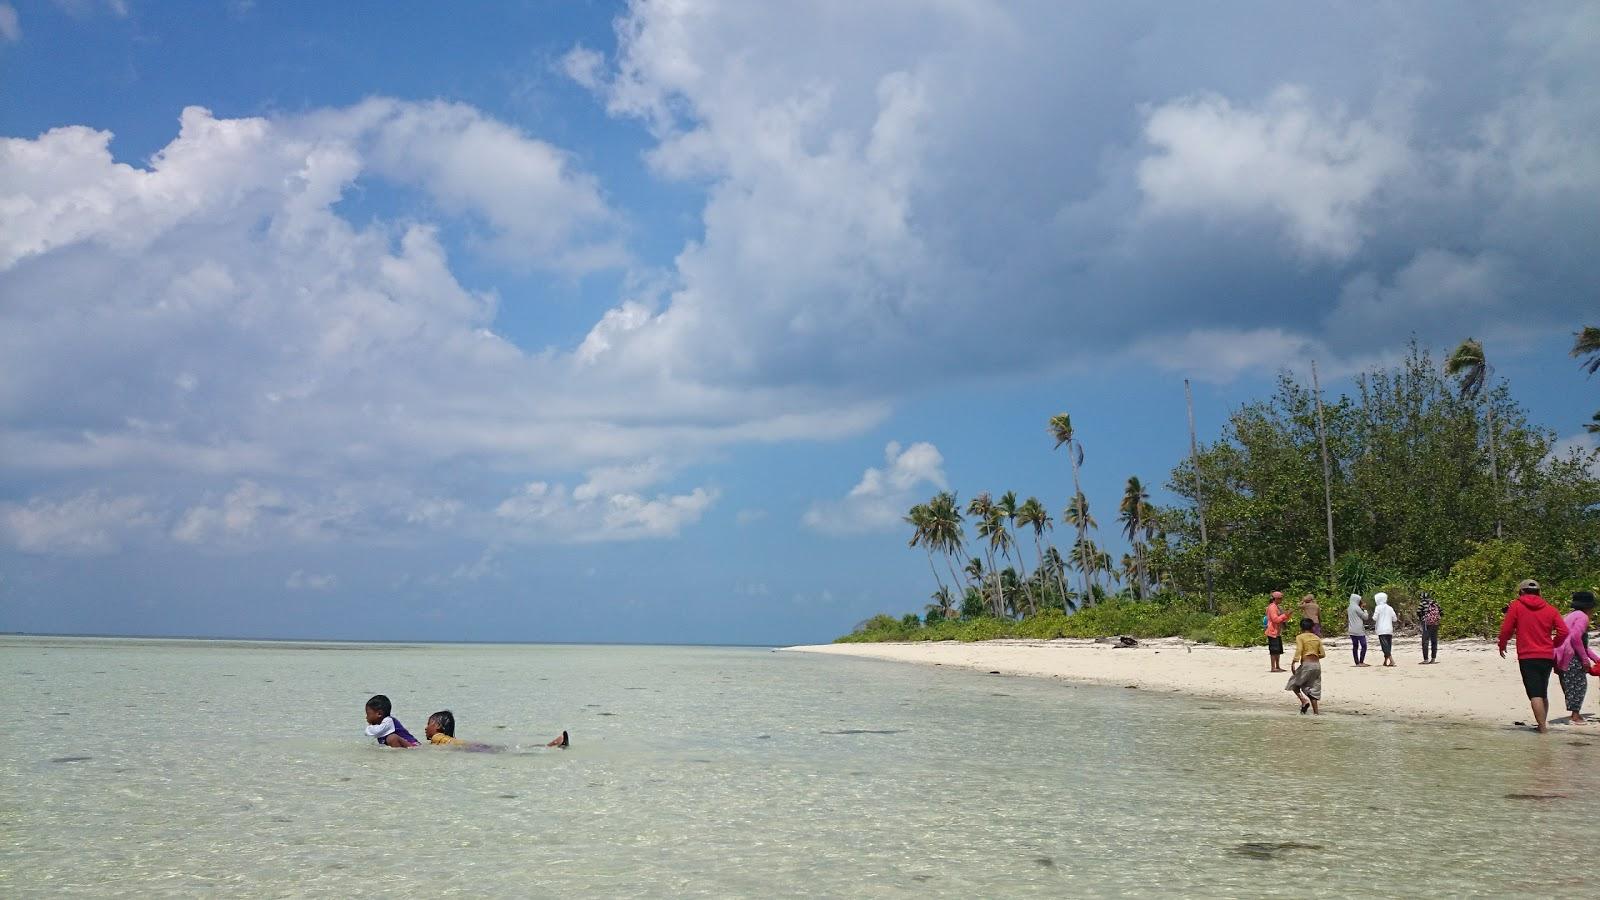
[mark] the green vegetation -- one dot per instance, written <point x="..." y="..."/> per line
<point x="1434" y="478"/>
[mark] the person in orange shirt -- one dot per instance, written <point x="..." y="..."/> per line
<point x="1275" y="619"/>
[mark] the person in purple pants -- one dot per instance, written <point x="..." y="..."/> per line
<point x="1356" y="627"/>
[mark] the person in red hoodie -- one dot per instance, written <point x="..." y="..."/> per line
<point x="1539" y="628"/>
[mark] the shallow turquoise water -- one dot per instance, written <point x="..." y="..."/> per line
<point x="239" y="768"/>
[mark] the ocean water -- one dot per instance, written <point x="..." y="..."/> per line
<point x="134" y="767"/>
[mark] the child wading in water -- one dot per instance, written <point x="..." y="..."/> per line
<point x="441" y="730"/>
<point x="385" y="727"/>
<point x="1306" y="682"/>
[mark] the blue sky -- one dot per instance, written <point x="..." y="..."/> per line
<point x="587" y="321"/>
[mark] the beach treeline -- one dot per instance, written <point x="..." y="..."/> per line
<point x="1434" y="477"/>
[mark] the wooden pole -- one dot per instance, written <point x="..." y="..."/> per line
<point x="1199" y="498"/>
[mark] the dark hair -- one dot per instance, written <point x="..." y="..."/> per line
<point x="1583" y="600"/>
<point x="379" y="704"/>
<point x="445" y="720"/>
<point x="1307" y="624"/>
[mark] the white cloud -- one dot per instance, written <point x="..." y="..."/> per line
<point x="300" y="580"/>
<point x="880" y="499"/>
<point x="10" y="26"/>
<point x="1313" y="171"/>
<point x="89" y="523"/>
<point x="747" y="517"/>
<point x="601" y="509"/>
<point x="584" y="66"/>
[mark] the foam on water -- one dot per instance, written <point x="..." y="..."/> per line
<point x="207" y="767"/>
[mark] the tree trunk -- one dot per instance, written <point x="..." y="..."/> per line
<point x="1199" y="498"/>
<point x="1077" y="491"/>
<point x="1327" y="476"/>
<point x="1494" y="476"/>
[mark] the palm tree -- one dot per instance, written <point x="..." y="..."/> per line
<point x="920" y="521"/>
<point x="1588" y="345"/>
<point x="981" y="509"/>
<point x="1134" y="514"/>
<point x="1129" y="572"/>
<point x="1086" y="557"/>
<point x="1057" y="567"/>
<point x="1471" y="369"/>
<point x="1032" y="514"/>
<point x="993" y="527"/>
<point x="1007" y="507"/>
<point x="1061" y="430"/>
<point x="944" y="530"/>
<point x="944" y="603"/>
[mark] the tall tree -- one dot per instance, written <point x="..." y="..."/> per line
<point x="944" y="530"/>
<point x="993" y="529"/>
<point x="1471" y="369"/>
<point x="1061" y="429"/>
<point x="1057" y="568"/>
<point x="1199" y="498"/>
<point x="1134" y="514"/>
<point x="919" y="518"/>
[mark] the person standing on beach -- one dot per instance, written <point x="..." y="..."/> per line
<point x="1383" y="617"/>
<point x="1356" y="627"/>
<point x="1310" y="610"/>
<point x="1275" y="619"/>
<point x="1428" y="616"/>
<point x="1534" y="621"/>
<point x="1574" y="659"/>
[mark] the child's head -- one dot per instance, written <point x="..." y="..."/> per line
<point x="442" y="722"/>
<point x="378" y="709"/>
<point x="1307" y="624"/>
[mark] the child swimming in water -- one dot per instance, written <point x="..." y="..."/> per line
<point x="441" y="730"/>
<point x="385" y="727"/>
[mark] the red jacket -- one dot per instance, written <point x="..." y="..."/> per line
<point x="1533" y="621"/>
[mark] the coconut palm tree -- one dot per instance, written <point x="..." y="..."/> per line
<point x="1057" y="567"/>
<point x="1588" y="345"/>
<point x="993" y="528"/>
<point x="981" y="509"/>
<point x="1061" y="429"/>
<point x="1032" y="514"/>
<point x="943" y="605"/>
<point x="1471" y="369"/>
<point x="919" y="519"/>
<point x="1007" y="506"/>
<point x="1134" y="514"/>
<point x="1086" y="558"/>
<point x="944" y="530"/>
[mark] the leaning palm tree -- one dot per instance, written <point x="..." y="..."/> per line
<point x="1061" y="429"/>
<point x="1134" y="514"/>
<point x="920" y="521"/>
<point x="943" y="605"/>
<point x="1471" y="369"/>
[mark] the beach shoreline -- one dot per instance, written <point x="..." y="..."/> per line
<point x="1470" y="685"/>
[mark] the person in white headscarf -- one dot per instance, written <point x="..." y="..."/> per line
<point x="1356" y="628"/>
<point x="1383" y="617"/>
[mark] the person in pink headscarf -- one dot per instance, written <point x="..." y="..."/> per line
<point x="1574" y="659"/>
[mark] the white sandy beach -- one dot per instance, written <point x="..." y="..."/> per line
<point x="1470" y="684"/>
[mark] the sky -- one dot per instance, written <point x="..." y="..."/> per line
<point x="603" y="321"/>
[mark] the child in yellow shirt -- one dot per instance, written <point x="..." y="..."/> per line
<point x="1306" y="680"/>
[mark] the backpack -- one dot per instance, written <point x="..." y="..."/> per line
<point x="1430" y="616"/>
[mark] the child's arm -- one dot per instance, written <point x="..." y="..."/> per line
<point x="395" y="740"/>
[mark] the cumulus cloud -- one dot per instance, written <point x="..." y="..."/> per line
<point x="1312" y="171"/>
<point x="882" y="496"/>
<point x="90" y="523"/>
<point x="961" y="175"/>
